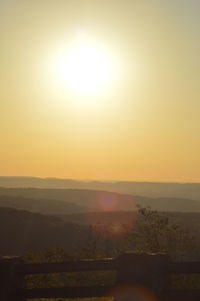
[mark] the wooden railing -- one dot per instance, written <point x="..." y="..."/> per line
<point x="146" y="276"/>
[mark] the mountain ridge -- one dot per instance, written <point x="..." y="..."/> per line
<point x="148" y="189"/>
<point x="64" y="201"/>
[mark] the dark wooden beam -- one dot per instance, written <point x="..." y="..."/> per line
<point x="68" y="267"/>
<point x="67" y="292"/>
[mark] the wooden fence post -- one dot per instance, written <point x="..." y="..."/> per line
<point x="11" y="282"/>
<point x="146" y="270"/>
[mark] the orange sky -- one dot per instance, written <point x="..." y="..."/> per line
<point x="144" y="126"/>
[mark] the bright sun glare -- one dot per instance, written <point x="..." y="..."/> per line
<point x="85" y="67"/>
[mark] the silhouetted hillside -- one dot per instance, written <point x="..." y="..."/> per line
<point x="187" y="220"/>
<point x="148" y="189"/>
<point x="115" y="223"/>
<point x="22" y="231"/>
<point x="95" y="217"/>
<point x="66" y="201"/>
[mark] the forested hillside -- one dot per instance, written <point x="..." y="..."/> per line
<point x="22" y="232"/>
<point x="101" y="234"/>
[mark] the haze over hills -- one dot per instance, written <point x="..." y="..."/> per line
<point x="148" y="189"/>
<point x="40" y="205"/>
<point x="68" y="201"/>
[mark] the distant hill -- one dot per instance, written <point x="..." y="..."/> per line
<point x="40" y="205"/>
<point x="67" y="201"/>
<point x="22" y="231"/>
<point x="148" y="189"/>
<point x="82" y="200"/>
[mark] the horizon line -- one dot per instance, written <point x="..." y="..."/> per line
<point x="103" y="180"/>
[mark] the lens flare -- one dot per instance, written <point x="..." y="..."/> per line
<point x="110" y="216"/>
<point x="108" y="202"/>
<point x="133" y="293"/>
<point x="112" y="224"/>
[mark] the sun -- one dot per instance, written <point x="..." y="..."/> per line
<point x="85" y="67"/>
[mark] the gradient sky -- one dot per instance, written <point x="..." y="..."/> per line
<point x="146" y="127"/>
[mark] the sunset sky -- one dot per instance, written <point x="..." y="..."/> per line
<point x="136" y="118"/>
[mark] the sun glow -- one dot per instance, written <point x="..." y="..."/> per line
<point x="85" y="67"/>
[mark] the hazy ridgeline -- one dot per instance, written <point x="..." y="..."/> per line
<point x="96" y="223"/>
<point x="147" y="189"/>
<point x="66" y="201"/>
